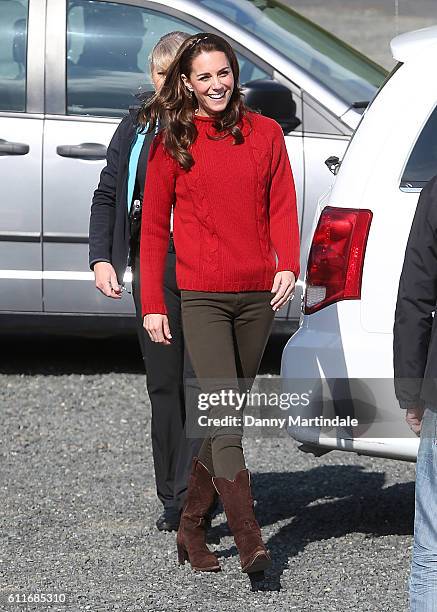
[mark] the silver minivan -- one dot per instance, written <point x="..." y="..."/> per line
<point x="69" y="70"/>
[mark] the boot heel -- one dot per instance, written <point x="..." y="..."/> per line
<point x="182" y="555"/>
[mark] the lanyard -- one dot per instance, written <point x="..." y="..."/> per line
<point x="134" y="157"/>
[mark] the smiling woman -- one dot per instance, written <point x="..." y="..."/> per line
<point x="225" y="171"/>
<point x="204" y="79"/>
<point x="211" y="81"/>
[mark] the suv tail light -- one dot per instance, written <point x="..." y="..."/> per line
<point x="335" y="263"/>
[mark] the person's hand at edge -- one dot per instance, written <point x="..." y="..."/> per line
<point x="414" y="417"/>
<point x="158" y="328"/>
<point x="106" y="280"/>
<point x="283" y="286"/>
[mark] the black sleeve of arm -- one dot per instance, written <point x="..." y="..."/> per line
<point x="102" y="216"/>
<point x="416" y="300"/>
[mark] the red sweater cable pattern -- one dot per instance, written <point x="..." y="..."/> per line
<point x="234" y="210"/>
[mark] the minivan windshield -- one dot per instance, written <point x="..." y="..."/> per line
<point x="346" y="72"/>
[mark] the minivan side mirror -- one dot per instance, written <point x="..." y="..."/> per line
<point x="273" y="100"/>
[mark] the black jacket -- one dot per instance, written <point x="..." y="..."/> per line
<point x="415" y="336"/>
<point x="109" y="229"/>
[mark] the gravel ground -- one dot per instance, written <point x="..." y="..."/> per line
<point x="78" y="502"/>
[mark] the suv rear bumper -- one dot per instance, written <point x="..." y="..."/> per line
<point x="337" y="359"/>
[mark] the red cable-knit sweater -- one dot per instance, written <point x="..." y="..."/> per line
<point x="233" y="211"/>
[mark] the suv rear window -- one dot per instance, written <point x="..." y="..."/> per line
<point x="422" y="164"/>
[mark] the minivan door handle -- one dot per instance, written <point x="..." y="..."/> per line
<point x="86" y="150"/>
<point x="13" y="148"/>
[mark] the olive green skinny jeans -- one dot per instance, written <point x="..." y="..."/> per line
<point x="226" y="334"/>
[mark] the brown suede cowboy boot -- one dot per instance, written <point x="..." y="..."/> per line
<point x="238" y="504"/>
<point x="191" y="538"/>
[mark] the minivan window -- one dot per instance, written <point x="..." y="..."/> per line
<point x="13" y="45"/>
<point x="347" y="73"/>
<point x="422" y="164"/>
<point x="108" y="45"/>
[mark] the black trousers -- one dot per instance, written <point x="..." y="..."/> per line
<point x="166" y="368"/>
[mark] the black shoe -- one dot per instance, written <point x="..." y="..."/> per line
<point x="169" y="520"/>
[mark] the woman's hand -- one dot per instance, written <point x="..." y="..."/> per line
<point x="157" y="327"/>
<point x="106" y="280"/>
<point x="283" y="287"/>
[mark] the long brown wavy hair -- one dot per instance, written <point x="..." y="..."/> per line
<point x="174" y="106"/>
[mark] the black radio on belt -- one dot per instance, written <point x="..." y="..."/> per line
<point x="135" y="220"/>
<point x="135" y="228"/>
<point x="135" y="210"/>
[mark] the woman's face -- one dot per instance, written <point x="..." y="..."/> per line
<point x="211" y="81"/>
<point x="158" y="76"/>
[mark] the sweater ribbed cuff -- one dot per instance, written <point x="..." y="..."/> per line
<point x="290" y="267"/>
<point x="153" y="308"/>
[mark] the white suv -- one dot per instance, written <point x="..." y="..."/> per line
<point x="344" y="349"/>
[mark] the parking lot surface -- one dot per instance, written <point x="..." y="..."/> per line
<point x="78" y="502"/>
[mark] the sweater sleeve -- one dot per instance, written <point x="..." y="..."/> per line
<point x="284" y="226"/>
<point x="416" y="301"/>
<point x="159" y="195"/>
